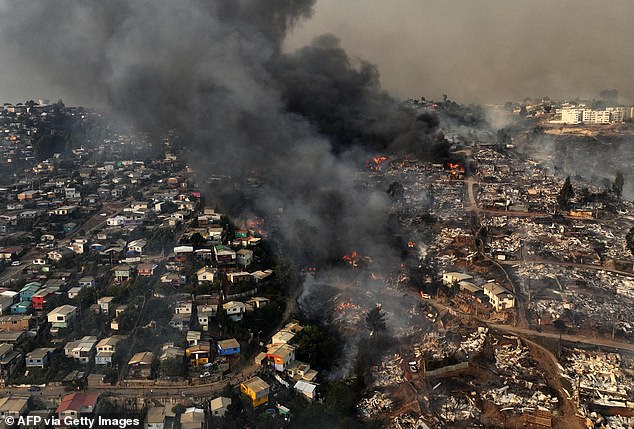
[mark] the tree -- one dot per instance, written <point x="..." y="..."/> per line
<point x="316" y="347"/>
<point x="197" y="240"/>
<point x="565" y="195"/>
<point x="375" y="319"/>
<point x="172" y="368"/>
<point x="617" y="187"/>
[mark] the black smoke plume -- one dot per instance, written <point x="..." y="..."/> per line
<point x="215" y="72"/>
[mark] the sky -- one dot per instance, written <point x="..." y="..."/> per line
<point x="484" y="51"/>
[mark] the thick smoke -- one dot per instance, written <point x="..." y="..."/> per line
<point x="215" y="72"/>
<point x="304" y="123"/>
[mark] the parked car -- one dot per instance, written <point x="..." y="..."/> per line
<point x="15" y="263"/>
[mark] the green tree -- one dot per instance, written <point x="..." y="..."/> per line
<point x="316" y="347"/>
<point x="172" y="368"/>
<point x="375" y="319"/>
<point x="197" y="240"/>
<point x="565" y="195"/>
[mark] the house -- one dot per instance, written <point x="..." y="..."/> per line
<point x="224" y="255"/>
<point x="244" y="257"/>
<point x="60" y="253"/>
<point x="454" y="277"/>
<point x="140" y="365"/>
<point x="228" y="347"/>
<point x="106" y="347"/>
<point x="301" y="371"/>
<point x="306" y="389"/>
<point x="62" y="316"/>
<point x="6" y="302"/>
<point x="39" y="298"/>
<point x="137" y="246"/>
<point x="14" y="323"/>
<point x="122" y="272"/>
<point x="13" y="407"/>
<point x="182" y="252"/>
<point x="21" y="307"/>
<point x="10" y="361"/>
<point x="280" y="356"/>
<point x="181" y="321"/>
<point x="282" y="337"/>
<point x="206" y="275"/>
<point x="76" y="405"/>
<point x="198" y="355"/>
<point x="257" y="302"/>
<point x="14" y="338"/>
<point x="193" y="418"/>
<point x="170" y="351"/>
<point x="174" y="279"/>
<point x="74" y="292"/>
<point x="261" y="275"/>
<point x="63" y="210"/>
<point x="13" y="252"/>
<point x="81" y="350"/>
<point x="28" y="195"/>
<point x="183" y="307"/>
<point x="87" y="281"/>
<point x="234" y="309"/>
<point x="105" y="304"/>
<point x="155" y="418"/>
<point x="39" y="358"/>
<point x="239" y="277"/>
<point x="27" y="292"/>
<point x="146" y="270"/>
<point x="219" y="405"/>
<point x="72" y="193"/>
<point x="255" y="391"/>
<point x="193" y="337"/>
<point x="205" y="313"/>
<point x="499" y="297"/>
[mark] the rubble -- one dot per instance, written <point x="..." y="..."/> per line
<point x="474" y="342"/>
<point x="505" y="399"/>
<point x="388" y="373"/>
<point x="376" y="404"/>
<point x="454" y="409"/>
<point x="407" y="421"/>
<point x="598" y="375"/>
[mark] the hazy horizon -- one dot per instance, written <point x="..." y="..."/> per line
<point x="475" y="52"/>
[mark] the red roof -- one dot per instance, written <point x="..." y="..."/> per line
<point x="78" y="401"/>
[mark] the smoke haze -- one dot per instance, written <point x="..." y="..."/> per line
<point x="485" y="51"/>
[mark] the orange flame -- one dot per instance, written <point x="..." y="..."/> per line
<point x="375" y="162"/>
<point x="411" y="244"/>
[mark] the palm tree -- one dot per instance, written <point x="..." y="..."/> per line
<point x="375" y="319"/>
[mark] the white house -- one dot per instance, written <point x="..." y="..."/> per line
<point x="206" y="274"/>
<point x="451" y="277"/>
<point x="62" y="316"/>
<point x="81" y="350"/>
<point x="245" y="257"/>
<point x="234" y="309"/>
<point x="499" y="297"/>
<point x="219" y="406"/>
